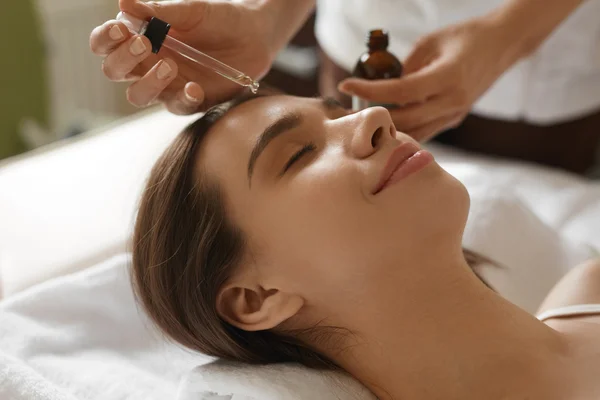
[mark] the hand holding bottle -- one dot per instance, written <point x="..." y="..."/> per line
<point x="444" y="75"/>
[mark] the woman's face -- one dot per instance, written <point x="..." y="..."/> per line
<point x="302" y="179"/>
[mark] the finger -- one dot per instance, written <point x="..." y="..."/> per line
<point x="118" y="64"/>
<point x="412" y="88"/>
<point x="107" y="37"/>
<point x="187" y="101"/>
<point x="143" y="92"/>
<point x="430" y="130"/>
<point x="413" y="116"/>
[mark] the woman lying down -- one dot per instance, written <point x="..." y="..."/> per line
<point x="284" y="229"/>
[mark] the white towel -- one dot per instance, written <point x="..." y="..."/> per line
<point x="81" y="337"/>
<point x="221" y="380"/>
<point x="530" y="256"/>
<point x="536" y="223"/>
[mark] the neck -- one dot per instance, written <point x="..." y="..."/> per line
<point x="454" y="339"/>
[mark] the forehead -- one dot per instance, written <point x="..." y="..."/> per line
<point x="249" y="119"/>
<point x="230" y="140"/>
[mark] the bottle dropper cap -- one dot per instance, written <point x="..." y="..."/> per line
<point x="378" y="39"/>
<point x="156" y="30"/>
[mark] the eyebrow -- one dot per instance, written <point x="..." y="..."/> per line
<point x="276" y="129"/>
<point x="282" y="125"/>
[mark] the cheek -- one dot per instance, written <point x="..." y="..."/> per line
<point x="320" y="232"/>
<point x="314" y="220"/>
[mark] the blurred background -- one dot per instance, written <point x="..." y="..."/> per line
<point x="52" y="85"/>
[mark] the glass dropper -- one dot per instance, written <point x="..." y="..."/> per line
<point x="156" y="30"/>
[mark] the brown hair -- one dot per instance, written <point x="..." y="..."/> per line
<point x="185" y="248"/>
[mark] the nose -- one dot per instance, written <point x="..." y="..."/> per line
<point x="374" y="128"/>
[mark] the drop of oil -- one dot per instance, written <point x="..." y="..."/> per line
<point x="248" y="82"/>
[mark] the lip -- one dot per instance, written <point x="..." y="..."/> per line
<point x="399" y="160"/>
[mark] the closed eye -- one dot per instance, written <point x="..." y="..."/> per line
<point x="297" y="156"/>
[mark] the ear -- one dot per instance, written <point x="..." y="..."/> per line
<point x="256" y="308"/>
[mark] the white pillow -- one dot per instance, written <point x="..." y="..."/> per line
<point x="71" y="206"/>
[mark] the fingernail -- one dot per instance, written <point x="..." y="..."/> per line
<point x="189" y="95"/>
<point x="191" y="98"/>
<point x="137" y="46"/>
<point x="115" y="33"/>
<point x="163" y="71"/>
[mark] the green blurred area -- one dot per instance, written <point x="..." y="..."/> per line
<point x="22" y="73"/>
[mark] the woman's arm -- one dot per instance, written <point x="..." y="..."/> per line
<point x="580" y="286"/>
<point x="448" y="70"/>
<point x="288" y="17"/>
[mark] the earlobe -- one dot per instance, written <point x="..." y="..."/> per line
<point x="256" y="309"/>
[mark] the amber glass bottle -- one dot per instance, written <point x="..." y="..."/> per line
<point x="376" y="63"/>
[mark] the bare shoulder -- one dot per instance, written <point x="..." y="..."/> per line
<point x="580" y="286"/>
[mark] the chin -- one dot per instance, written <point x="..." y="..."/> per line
<point x="452" y="209"/>
<point x="459" y="198"/>
<point x="438" y="203"/>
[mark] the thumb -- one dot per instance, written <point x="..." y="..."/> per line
<point x="179" y="14"/>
